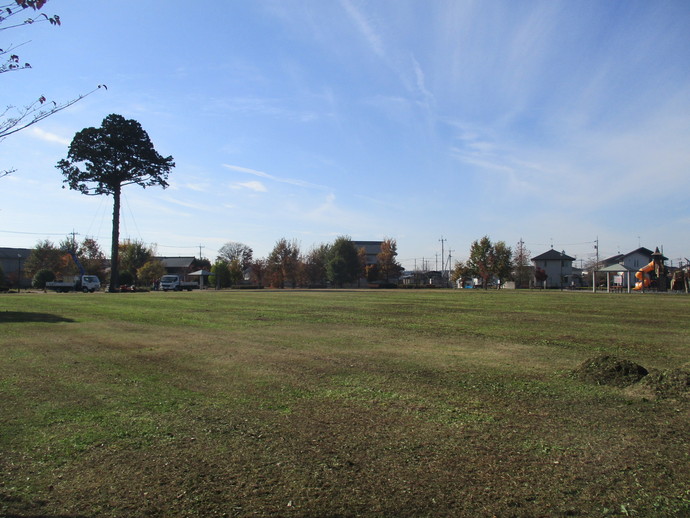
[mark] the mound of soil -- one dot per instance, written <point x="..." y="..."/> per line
<point x="673" y="383"/>
<point x="609" y="370"/>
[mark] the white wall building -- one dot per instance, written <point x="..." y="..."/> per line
<point x="558" y="267"/>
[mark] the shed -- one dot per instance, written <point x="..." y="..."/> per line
<point x="201" y="274"/>
<point x="617" y="268"/>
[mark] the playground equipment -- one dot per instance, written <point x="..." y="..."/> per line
<point x="681" y="278"/>
<point x="643" y="277"/>
<point x="644" y="274"/>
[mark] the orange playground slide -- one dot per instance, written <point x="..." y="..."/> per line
<point x="642" y="275"/>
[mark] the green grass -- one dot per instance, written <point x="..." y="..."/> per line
<point x="338" y="403"/>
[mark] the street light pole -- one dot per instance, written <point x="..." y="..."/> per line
<point x="19" y="272"/>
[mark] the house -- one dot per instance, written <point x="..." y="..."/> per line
<point x="12" y="262"/>
<point x="633" y="260"/>
<point x="178" y="265"/>
<point x="558" y="268"/>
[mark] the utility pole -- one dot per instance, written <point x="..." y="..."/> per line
<point x="74" y="240"/>
<point x="443" y="256"/>
<point x="596" y="265"/>
<point x="200" y="247"/>
<point x="450" y="264"/>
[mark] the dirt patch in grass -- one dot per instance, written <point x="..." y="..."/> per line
<point x="609" y="370"/>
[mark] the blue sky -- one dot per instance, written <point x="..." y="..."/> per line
<point x="555" y="122"/>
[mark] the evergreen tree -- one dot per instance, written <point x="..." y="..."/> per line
<point x="343" y="263"/>
<point x="104" y="160"/>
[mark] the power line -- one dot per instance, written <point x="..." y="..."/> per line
<point x="35" y="233"/>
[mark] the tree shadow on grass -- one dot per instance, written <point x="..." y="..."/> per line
<point x="27" y="316"/>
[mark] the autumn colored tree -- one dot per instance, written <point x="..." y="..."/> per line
<point x="88" y="254"/>
<point x="461" y="273"/>
<point x="106" y="159"/>
<point x="44" y="256"/>
<point x="488" y="260"/>
<point x="92" y="257"/>
<point x="259" y="270"/>
<point x="134" y="254"/>
<point x="283" y="263"/>
<point x="501" y="261"/>
<point x="150" y="271"/>
<point x="540" y="275"/>
<point x="479" y="263"/>
<point x="371" y="272"/>
<point x="388" y="266"/>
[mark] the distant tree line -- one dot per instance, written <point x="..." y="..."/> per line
<point x="334" y="264"/>
<point x="137" y="265"/>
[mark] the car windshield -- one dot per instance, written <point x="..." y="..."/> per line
<point x="169" y="278"/>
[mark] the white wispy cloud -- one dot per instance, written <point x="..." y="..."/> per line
<point x="272" y="107"/>
<point x="365" y="27"/>
<point x="261" y="174"/>
<point x="420" y="80"/>
<point x="186" y="204"/>
<point x="198" y="187"/>
<point x="49" y="137"/>
<point x="253" y="185"/>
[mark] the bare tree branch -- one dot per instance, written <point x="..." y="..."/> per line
<point x="35" y="112"/>
<point x="14" y="119"/>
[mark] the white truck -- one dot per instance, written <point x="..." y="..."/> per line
<point x="85" y="283"/>
<point x="177" y="283"/>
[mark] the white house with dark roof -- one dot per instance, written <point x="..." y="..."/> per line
<point x="558" y="267"/>
<point x="633" y="260"/>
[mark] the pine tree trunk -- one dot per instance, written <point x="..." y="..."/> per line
<point x="114" y="251"/>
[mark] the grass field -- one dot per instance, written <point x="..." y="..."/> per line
<point x="339" y="403"/>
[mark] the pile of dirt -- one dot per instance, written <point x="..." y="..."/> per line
<point x="609" y="370"/>
<point x="672" y="383"/>
<point x="638" y="381"/>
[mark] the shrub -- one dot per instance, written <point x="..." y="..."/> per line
<point x="126" y="278"/>
<point x="42" y="277"/>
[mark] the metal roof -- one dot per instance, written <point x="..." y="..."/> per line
<point x="553" y="255"/>
<point x="617" y="268"/>
<point x="177" y="262"/>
